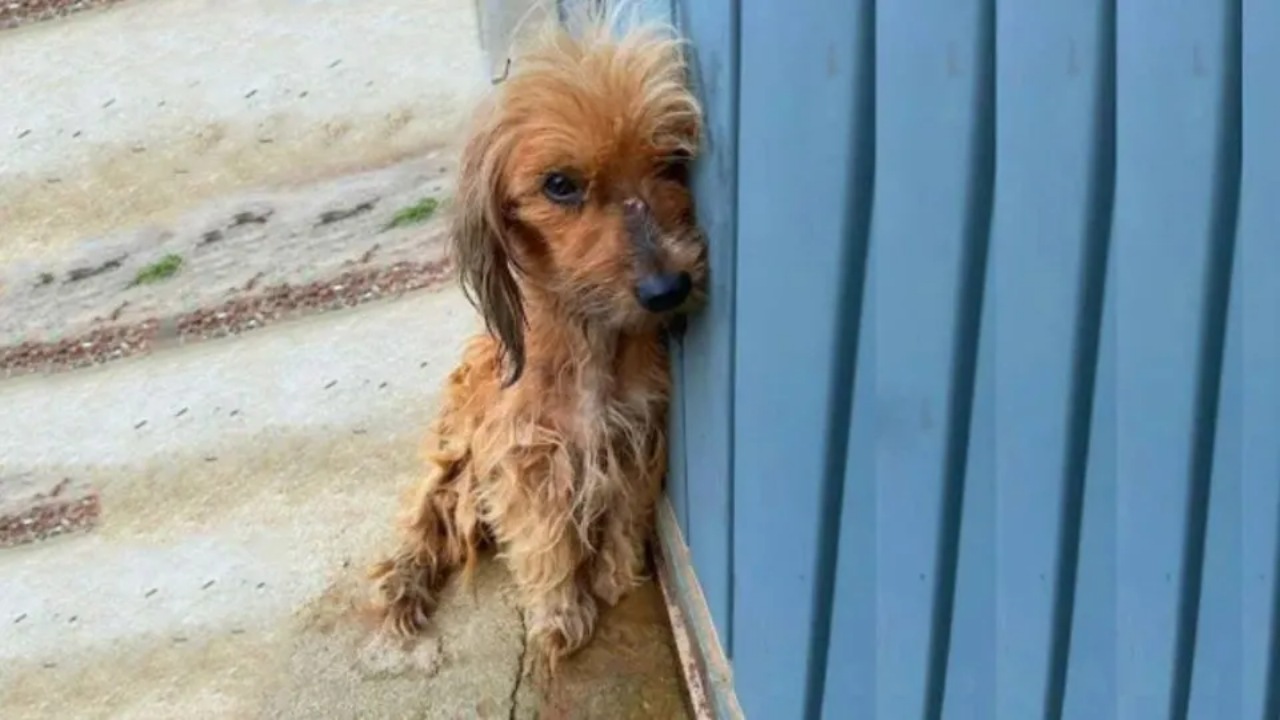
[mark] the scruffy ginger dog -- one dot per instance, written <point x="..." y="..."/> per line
<point x="575" y="237"/>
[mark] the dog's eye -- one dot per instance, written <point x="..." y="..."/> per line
<point x="675" y="167"/>
<point x="562" y="189"/>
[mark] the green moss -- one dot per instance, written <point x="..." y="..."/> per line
<point x="414" y="214"/>
<point x="162" y="269"/>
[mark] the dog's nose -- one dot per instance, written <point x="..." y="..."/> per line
<point x="663" y="292"/>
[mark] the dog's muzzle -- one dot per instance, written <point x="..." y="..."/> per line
<point x="665" y="292"/>
<point x="656" y="291"/>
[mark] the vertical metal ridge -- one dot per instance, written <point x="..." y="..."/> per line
<point x="735" y="53"/>
<point x="1271" y="703"/>
<point x="1088" y="331"/>
<point x="977" y="240"/>
<point x="1226" y="210"/>
<point x="857" y="220"/>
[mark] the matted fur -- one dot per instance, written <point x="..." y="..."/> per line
<point x="550" y="443"/>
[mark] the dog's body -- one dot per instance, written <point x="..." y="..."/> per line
<point x="576" y="238"/>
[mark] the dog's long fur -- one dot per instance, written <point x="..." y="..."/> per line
<point x="551" y="440"/>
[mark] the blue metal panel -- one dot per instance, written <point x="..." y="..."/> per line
<point x="1091" y="691"/>
<point x="1049" y="486"/>
<point x="1216" y="673"/>
<point x="971" y="678"/>
<point x="797" y="241"/>
<point x="677" y="487"/>
<point x="931" y="206"/>
<point x="1217" y="645"/>
<point x="1172" y="65"/>
<point x="853" y="677"/>
<point x="1257" y="270"/>
<point x="707" y="361"/>
<point x="1049" y="231"/>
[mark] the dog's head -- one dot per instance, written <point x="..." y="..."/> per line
<point x="574" y="187"/>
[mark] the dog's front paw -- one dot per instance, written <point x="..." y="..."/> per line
<point x="617" y="570"/>
<point x="560" y="627"/>
<point x="613" y="584"/>
<point x="402" y="596"/>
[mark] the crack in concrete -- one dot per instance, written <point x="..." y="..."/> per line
<point x="520" y="669"/>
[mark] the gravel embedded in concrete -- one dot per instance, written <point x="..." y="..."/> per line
<point x="249" y="312"/>
<point x="35" y="508"/>
<point x="15" y="13"/>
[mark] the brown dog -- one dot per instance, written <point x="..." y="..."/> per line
<point x="576" y="239"/>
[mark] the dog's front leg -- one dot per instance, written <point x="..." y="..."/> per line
<point x="619" y="562"/>
<point x="439" y="534"/>
<point x="545" y="563"/>
<point x="531" y="510"/>
<point x="618" y="565"/>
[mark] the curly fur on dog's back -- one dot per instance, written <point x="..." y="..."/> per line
<point x="551" y="441"/>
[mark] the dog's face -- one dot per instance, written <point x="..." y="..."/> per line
<point x="576" y="182"/>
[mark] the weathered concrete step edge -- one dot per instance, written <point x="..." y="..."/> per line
<point x="36" y="508"/>
<point x="247" y="311"/>
<point x="26" y="12"/>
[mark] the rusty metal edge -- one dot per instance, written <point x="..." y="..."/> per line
<point x="707" y="672"/>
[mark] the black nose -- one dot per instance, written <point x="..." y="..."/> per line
<point x="661" y="293"/>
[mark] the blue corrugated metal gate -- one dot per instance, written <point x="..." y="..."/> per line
<point x="983" y="420"/>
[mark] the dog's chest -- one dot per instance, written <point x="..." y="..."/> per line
<point x="611" y="414"/>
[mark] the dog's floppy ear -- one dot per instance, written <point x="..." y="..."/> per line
<point x="481" y="242"/>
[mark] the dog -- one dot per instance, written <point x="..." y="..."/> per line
<point x="575" y="237"/>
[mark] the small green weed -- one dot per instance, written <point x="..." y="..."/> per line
<point x="162" y="269"/>
<point x="418" y="212"/>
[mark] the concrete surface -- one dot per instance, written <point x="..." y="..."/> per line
<point x="140" y="111"/>
<point x="253" y="238"/>
<point x="245" y="485"/>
